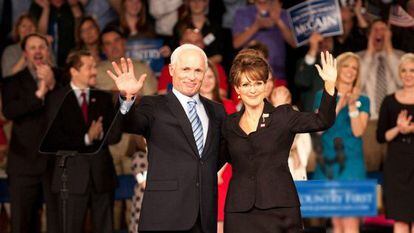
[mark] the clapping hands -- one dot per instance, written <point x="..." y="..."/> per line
<point x="95" y="130"/>
<point x="44" y="72"/>
<point x="46" y="80"/>
<point x="404" y="124"/>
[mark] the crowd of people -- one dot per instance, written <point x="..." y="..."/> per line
<point x="217" y="118"/>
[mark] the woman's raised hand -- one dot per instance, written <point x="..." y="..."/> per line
<point x="328" y="71"/>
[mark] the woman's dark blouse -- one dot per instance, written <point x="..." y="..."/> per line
<point x="390" y="108"/>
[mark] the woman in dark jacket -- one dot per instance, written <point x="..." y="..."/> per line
<point x="262" y="196"/>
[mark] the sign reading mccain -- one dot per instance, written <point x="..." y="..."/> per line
<point x="322" y="16"/>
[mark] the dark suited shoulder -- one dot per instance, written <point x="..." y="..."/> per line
<point x="224" y="156"/>
<point x="218" y="109"/>
<point x="102" y="94"/>
<point x="141" y="115"/>
<point x="18" y="95"/>
<point x="232" y="117"/>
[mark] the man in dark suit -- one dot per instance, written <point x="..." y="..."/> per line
<point x="182" y="130"/>
<point x="80" y="124"/>
<point x="25" y="96"/>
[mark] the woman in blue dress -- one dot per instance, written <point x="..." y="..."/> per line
<point x="342" y="156"/>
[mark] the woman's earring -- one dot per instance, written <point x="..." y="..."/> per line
<point x="238" y="97"/>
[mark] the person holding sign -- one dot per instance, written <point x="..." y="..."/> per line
<point x="114" y="46"/>
<point x="262" y="196"/>
<point x="307" y="78"/>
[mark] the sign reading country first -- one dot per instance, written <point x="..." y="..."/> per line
<point x="148" y="51"/>
<point x="319" y="198"/>
<point x="322" y="16"/>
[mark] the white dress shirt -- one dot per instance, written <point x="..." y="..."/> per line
<point x="78" y="93"/>
<point x="368" y="75"/>
<point x="201" y="112"/>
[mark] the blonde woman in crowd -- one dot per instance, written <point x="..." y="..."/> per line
<point x="396" y="128"/>
<point x="342" y="156"/>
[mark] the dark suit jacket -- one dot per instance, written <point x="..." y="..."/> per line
<point x="179" y="185"/>
<point x="67" y="132"/>
<point x="28" y="114"/>
<point x="261" y="176"/>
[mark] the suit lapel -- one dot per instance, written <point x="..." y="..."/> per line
<point x="29" y="81"/>
<point x="234" y="123"/>
<point x="92" y="107"/>
<point x="211" y="125"/>
<point x="266" y="119"/>
<point x="177" y="110"/>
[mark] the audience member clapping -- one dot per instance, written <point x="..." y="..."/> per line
<point x="396" y="128"/>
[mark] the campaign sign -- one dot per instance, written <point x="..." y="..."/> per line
<point x="337" y="198"/>
<point x="148" y="51"/>
<point x="321" y="16"/>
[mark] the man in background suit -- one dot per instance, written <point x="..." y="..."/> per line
<point x="25" y="97"/>
<point x="181" y="185"/>
<point x="81" y="122"/>
<point x="379" y="78"/>
<point x="113" y="43"/>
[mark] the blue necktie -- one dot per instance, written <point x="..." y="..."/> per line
<point x="196" y="125"/>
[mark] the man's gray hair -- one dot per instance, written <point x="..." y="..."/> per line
<point x="177" y="52"/>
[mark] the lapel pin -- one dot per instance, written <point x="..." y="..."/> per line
<point x="93" y="100"/>
<point x="265" y="115"/>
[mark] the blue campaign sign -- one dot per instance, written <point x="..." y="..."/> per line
<point x="337" y="198"/>
<point x="147" y="50"/>
<point x="321" y="16"/>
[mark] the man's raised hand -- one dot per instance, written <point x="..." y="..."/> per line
<point x="124" y="78"/>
